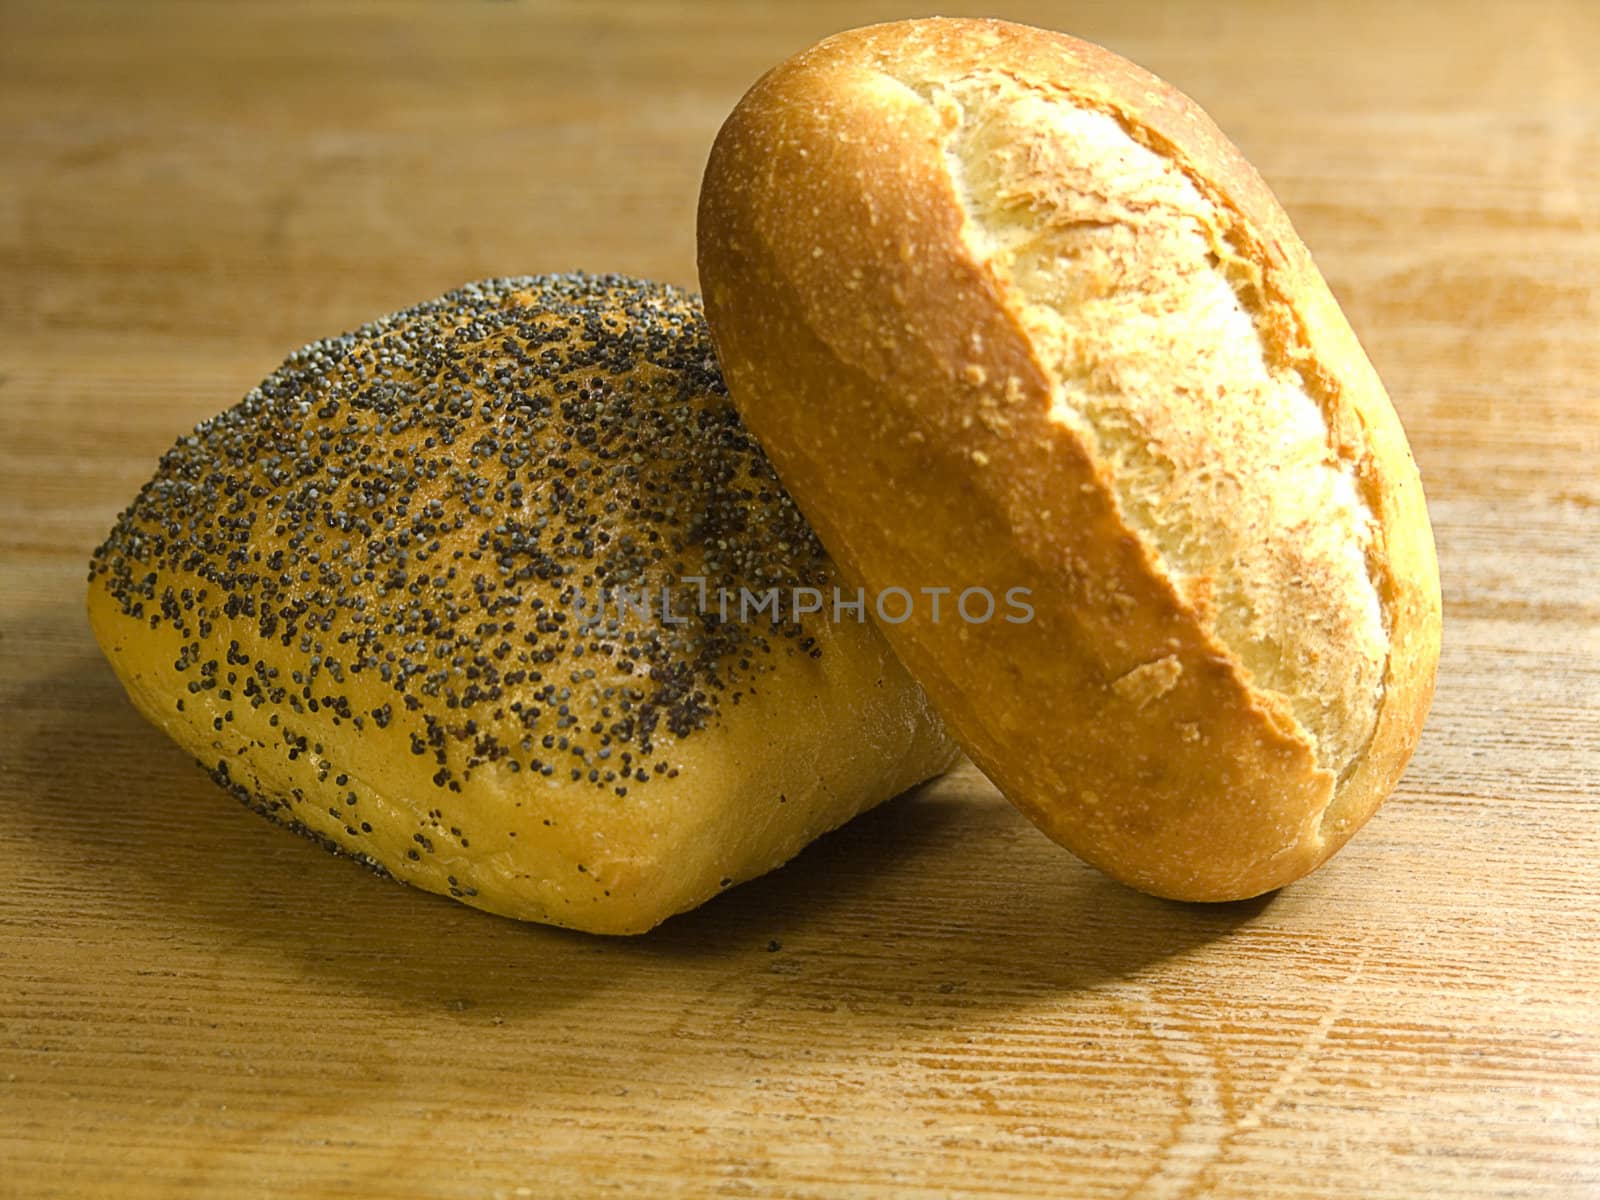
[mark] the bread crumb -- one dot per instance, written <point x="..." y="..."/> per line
<point x="1149" y="681"/>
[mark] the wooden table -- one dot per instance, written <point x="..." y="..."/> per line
<point x="935" y="1001"/>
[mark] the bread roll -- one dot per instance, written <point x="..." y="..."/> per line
<point x="1006" y="310"/>
<point x="370" y="599"/>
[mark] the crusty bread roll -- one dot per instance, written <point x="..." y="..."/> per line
<point x="1006" y="310"/>
<point x="370" y="599"/>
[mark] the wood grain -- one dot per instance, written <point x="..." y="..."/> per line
<point x="934" y="1001"/>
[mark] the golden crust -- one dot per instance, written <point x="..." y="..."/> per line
<point x="351" y="598"/>
<point x="892" y="379"/>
